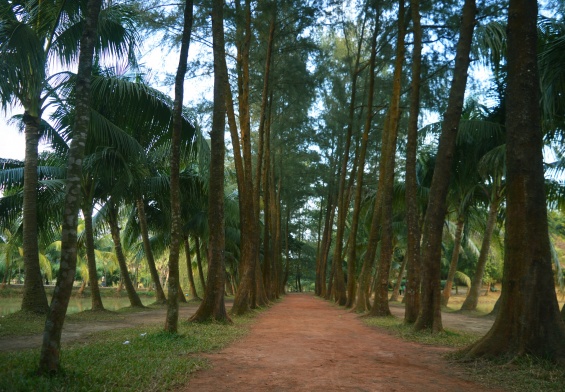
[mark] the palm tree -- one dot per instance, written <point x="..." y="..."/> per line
<point x="35" y="35"/>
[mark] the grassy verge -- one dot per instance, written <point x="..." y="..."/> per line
<point x="525" y="374"/>
<point x="127" y="359"/>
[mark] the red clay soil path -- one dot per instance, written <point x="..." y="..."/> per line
<point x="306" y="344"/>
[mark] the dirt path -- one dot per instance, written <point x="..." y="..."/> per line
<point x="77" y="331"/>
<point x="306" y="344"/>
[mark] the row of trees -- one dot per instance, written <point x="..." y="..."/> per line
<point x="323" y="102"/>
<point x="482" y="162"/>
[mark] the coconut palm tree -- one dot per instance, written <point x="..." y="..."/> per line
<point x="34" y="36"/>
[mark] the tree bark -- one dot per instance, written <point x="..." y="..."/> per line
<point x="159" y="293"/>
<point x="213" y="306"/>
<point x="34" y="297"/>
<point x="361" y="295"/>
<point x="412" y="295"/>
<point x="386" y="186"/>
<point x="396" y="289"/>
<point x="134" y="299"/>
<point x="429" y="316"/>
<point x="171" y="320"/>
<point x="90" y="256"/>
<point x="528" y="322"/>
<point x="368" y="259"/>
<point x="49" y="360"/>
<point x="199" y="262"/>
<point x="472" y="299"/>
<point x="193" y="291"/>
<point x="454" y="260"/>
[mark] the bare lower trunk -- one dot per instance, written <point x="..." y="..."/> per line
<point x="397" y="285"/>
<point x="91" y="257"/>
<point x="193" y="291"/>
<point x="199" y="262"/>
<point x="159" y="293"/>
<point x="34" y="297"/>
<point x="454" y="259"/>
<point x="472" y="299"/>
<point x="115" y="232"/>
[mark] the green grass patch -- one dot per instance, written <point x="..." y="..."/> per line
<point x="397" y="327"/>
<point x="21" y="323"/>
<point x="524" y="374"/>
<point x="151" y="360"/>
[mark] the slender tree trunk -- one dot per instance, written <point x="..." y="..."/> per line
<point x="134" y="299"/>
<point x="34" y="297"/>
<point x="159" y="293"/>
<point x="246" y="291"/>
<point x="321" y="260"/>
<point x="213" y="306"/>
<point x="472" y="299"/>
<point x="171" y="320"/>
<point x="342" y="205"/>
<point x="412" y="295"/>
<point x="365" y="274"/>
<point x="380" y="306"/>
<point x="454" y="259"/>
<point x="430" y="311"/>
<point x="193" y="291"/>
<point x="199" y="262"/>
<point x="90" y="256"/>
<point x="396" y="290"/>
<point x="49" y="360"/>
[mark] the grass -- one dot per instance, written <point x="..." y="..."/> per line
<point x="446" y="338"/>
<point x="21" y="323"/>
<point x="151" y="360"/>
<point x="524" y="374"/>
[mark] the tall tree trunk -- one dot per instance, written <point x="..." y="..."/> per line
<point x="380" y="306"/>
<point x="528" y="322"/>
<point x="430" y="309"/>
<point x="412" y="295"/>
<point x="49" y="360"/>
<point x="159" y="293"/>
<point x="199" y="262"/>
<point x="193" y="291"/>
<point x="454" y="259"/>
<point x="34" y="297"/>
<point x="342" y="205"/>
<point x="245" y="294"/>
<point x="115" y="232"/>
<point x="213" y="306"/>
<point x="90" y="256"/>
<point x="278" y="241"/>
<point x="171" y="320"/>
<point x="365" y="274"/>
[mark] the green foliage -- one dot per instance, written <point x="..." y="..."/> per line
<point x="152" y="360"/>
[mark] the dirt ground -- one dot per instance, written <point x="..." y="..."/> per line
<point x="306" y="344"/>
